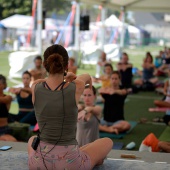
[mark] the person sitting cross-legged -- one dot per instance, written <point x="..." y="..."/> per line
<point x="114" y="106"/>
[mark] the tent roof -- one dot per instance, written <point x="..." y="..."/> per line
<point x="16" y="21"/>
<point x="25" y="22"/>
<point x="134" y="5"/>
<point x="1" y="25"/>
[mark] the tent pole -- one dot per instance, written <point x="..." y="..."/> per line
<point x="77" y="26"/>
<point x="123" y="29"/>
<point x="39" y="26"/>
<point x="103" y="17"/>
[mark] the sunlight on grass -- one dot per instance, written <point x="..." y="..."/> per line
<point x="14" y="108"/>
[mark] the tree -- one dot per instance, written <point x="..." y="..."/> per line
<point x="11" y="7"/>
<point x="57" y="6"/>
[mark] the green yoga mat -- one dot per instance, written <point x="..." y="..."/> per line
<point x="165" y="136"/>
<point x="120" y="135"/>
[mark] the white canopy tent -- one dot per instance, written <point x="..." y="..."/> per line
<point x="131" y="5"/>
<point x="25" y="22"/>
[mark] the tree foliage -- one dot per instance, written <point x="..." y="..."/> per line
<point x="11" y="7"/>
<point x="57" y="6"/>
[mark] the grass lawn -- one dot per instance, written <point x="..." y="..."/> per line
<point x="136" y="106"/>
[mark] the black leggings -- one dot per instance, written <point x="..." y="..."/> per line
<point x="24" y="117"/>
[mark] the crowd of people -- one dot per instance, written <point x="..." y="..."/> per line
<point x="64" y="106"/>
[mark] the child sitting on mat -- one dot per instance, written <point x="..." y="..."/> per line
<point x="114" y="105"/>
<point x="105" y="78"/>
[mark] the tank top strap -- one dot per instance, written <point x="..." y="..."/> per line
<point x="60" y="85"/>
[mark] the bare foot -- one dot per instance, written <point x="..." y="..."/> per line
<point x="116" y="131"/>
<point x="113" y="130"/>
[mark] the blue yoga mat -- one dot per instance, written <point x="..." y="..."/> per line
<point x="118" y="145"/>
<point x="120" y="135"/>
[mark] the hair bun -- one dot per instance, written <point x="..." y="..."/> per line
<point x="55" y="63"/>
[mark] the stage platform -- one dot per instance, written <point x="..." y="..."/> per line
<point x="16" y="159"/>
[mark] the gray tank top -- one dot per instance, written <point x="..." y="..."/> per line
<point x="49" y="112"/>
<point x="87" y="131"/>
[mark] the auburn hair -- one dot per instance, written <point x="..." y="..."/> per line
<point x="55" y="59"/>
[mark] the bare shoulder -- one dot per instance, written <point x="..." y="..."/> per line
<point x="36" y="82"/>
<point x="31" y="70"/>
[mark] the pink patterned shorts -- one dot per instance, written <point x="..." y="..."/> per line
<point x="59" y="158"/>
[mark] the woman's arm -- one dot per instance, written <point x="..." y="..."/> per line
<point x="80" y="107"/>
<point x="111" y="91"/>
<point x="81" y="81"/>
<point x="96" y="110"/>
<point x="104" y="90"/>
<point x="6" y="99"/>
<point x="166" y="85"/>
<point x="86" y="79"/>
<point x="27" y="89"/>
<point x="118" y="91"/>
<point x="86" y="113"/>
<point x="18" y="90"/>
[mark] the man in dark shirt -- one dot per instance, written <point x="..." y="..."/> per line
<point x="114" y="106"/>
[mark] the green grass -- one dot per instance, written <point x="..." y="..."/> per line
<point x="165" y="135"/>
<point x="138" y="104"/>
<point x="140" y="132"/>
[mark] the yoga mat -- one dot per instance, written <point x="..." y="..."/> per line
<point x="165" y="136"/>
<point x="118" y="145"/>
<point x="120" y="135"/>
<point x="159" y="109"/>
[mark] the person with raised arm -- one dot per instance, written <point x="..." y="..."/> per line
<point x="23" y="94"/>
<point x="114" y="99"/>
<point x="55" y="101"/>
<point x="5" y="102"/>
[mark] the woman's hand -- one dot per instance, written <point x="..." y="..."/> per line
<point x="18" y="90"/>
<point x="111" y="91"/>
<point x="81" y="115"/>
<point x="105" y="90"/>
<point x="70" y="77"/>
<point x="15" y="90"/>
